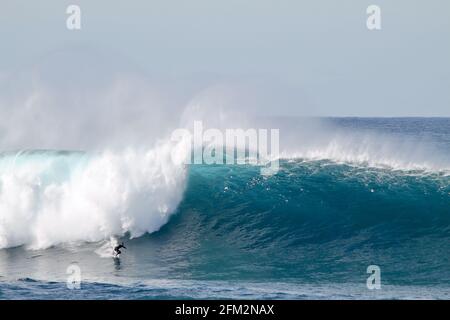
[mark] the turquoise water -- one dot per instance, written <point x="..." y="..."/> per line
<point x="308" y="232"/>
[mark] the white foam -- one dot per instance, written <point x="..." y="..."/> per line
<point x="370" y="149"/>
<point x="113" y="194"/>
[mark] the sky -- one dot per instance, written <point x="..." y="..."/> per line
<point x="293" y="57"/>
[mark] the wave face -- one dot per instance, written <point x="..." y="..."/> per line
<point x="319" y="219"/>
<point x="314" y="219"/>
<point x="54" y="197"/>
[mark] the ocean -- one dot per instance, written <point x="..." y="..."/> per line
<point x="368" y="191"/>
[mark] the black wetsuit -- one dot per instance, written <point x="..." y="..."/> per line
<point x="117" y="249"/>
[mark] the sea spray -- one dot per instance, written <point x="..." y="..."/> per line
<point x="48" y="198"/>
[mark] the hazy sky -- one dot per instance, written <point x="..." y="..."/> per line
<point x="306" y="57"/>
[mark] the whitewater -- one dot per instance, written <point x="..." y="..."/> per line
<point x="54" y="197"/>
<point x="226" y="229"/>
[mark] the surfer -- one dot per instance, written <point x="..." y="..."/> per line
<point x="117" y="251"/>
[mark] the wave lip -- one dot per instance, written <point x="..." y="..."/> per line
<point x="373" y="150"/>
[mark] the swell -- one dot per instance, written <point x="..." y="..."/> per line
<point x="318" y="201"/>
<point x="314" y="219"/>
<point x="54" y="197"/>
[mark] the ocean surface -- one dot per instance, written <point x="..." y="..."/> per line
<point x="371" y="191"/>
